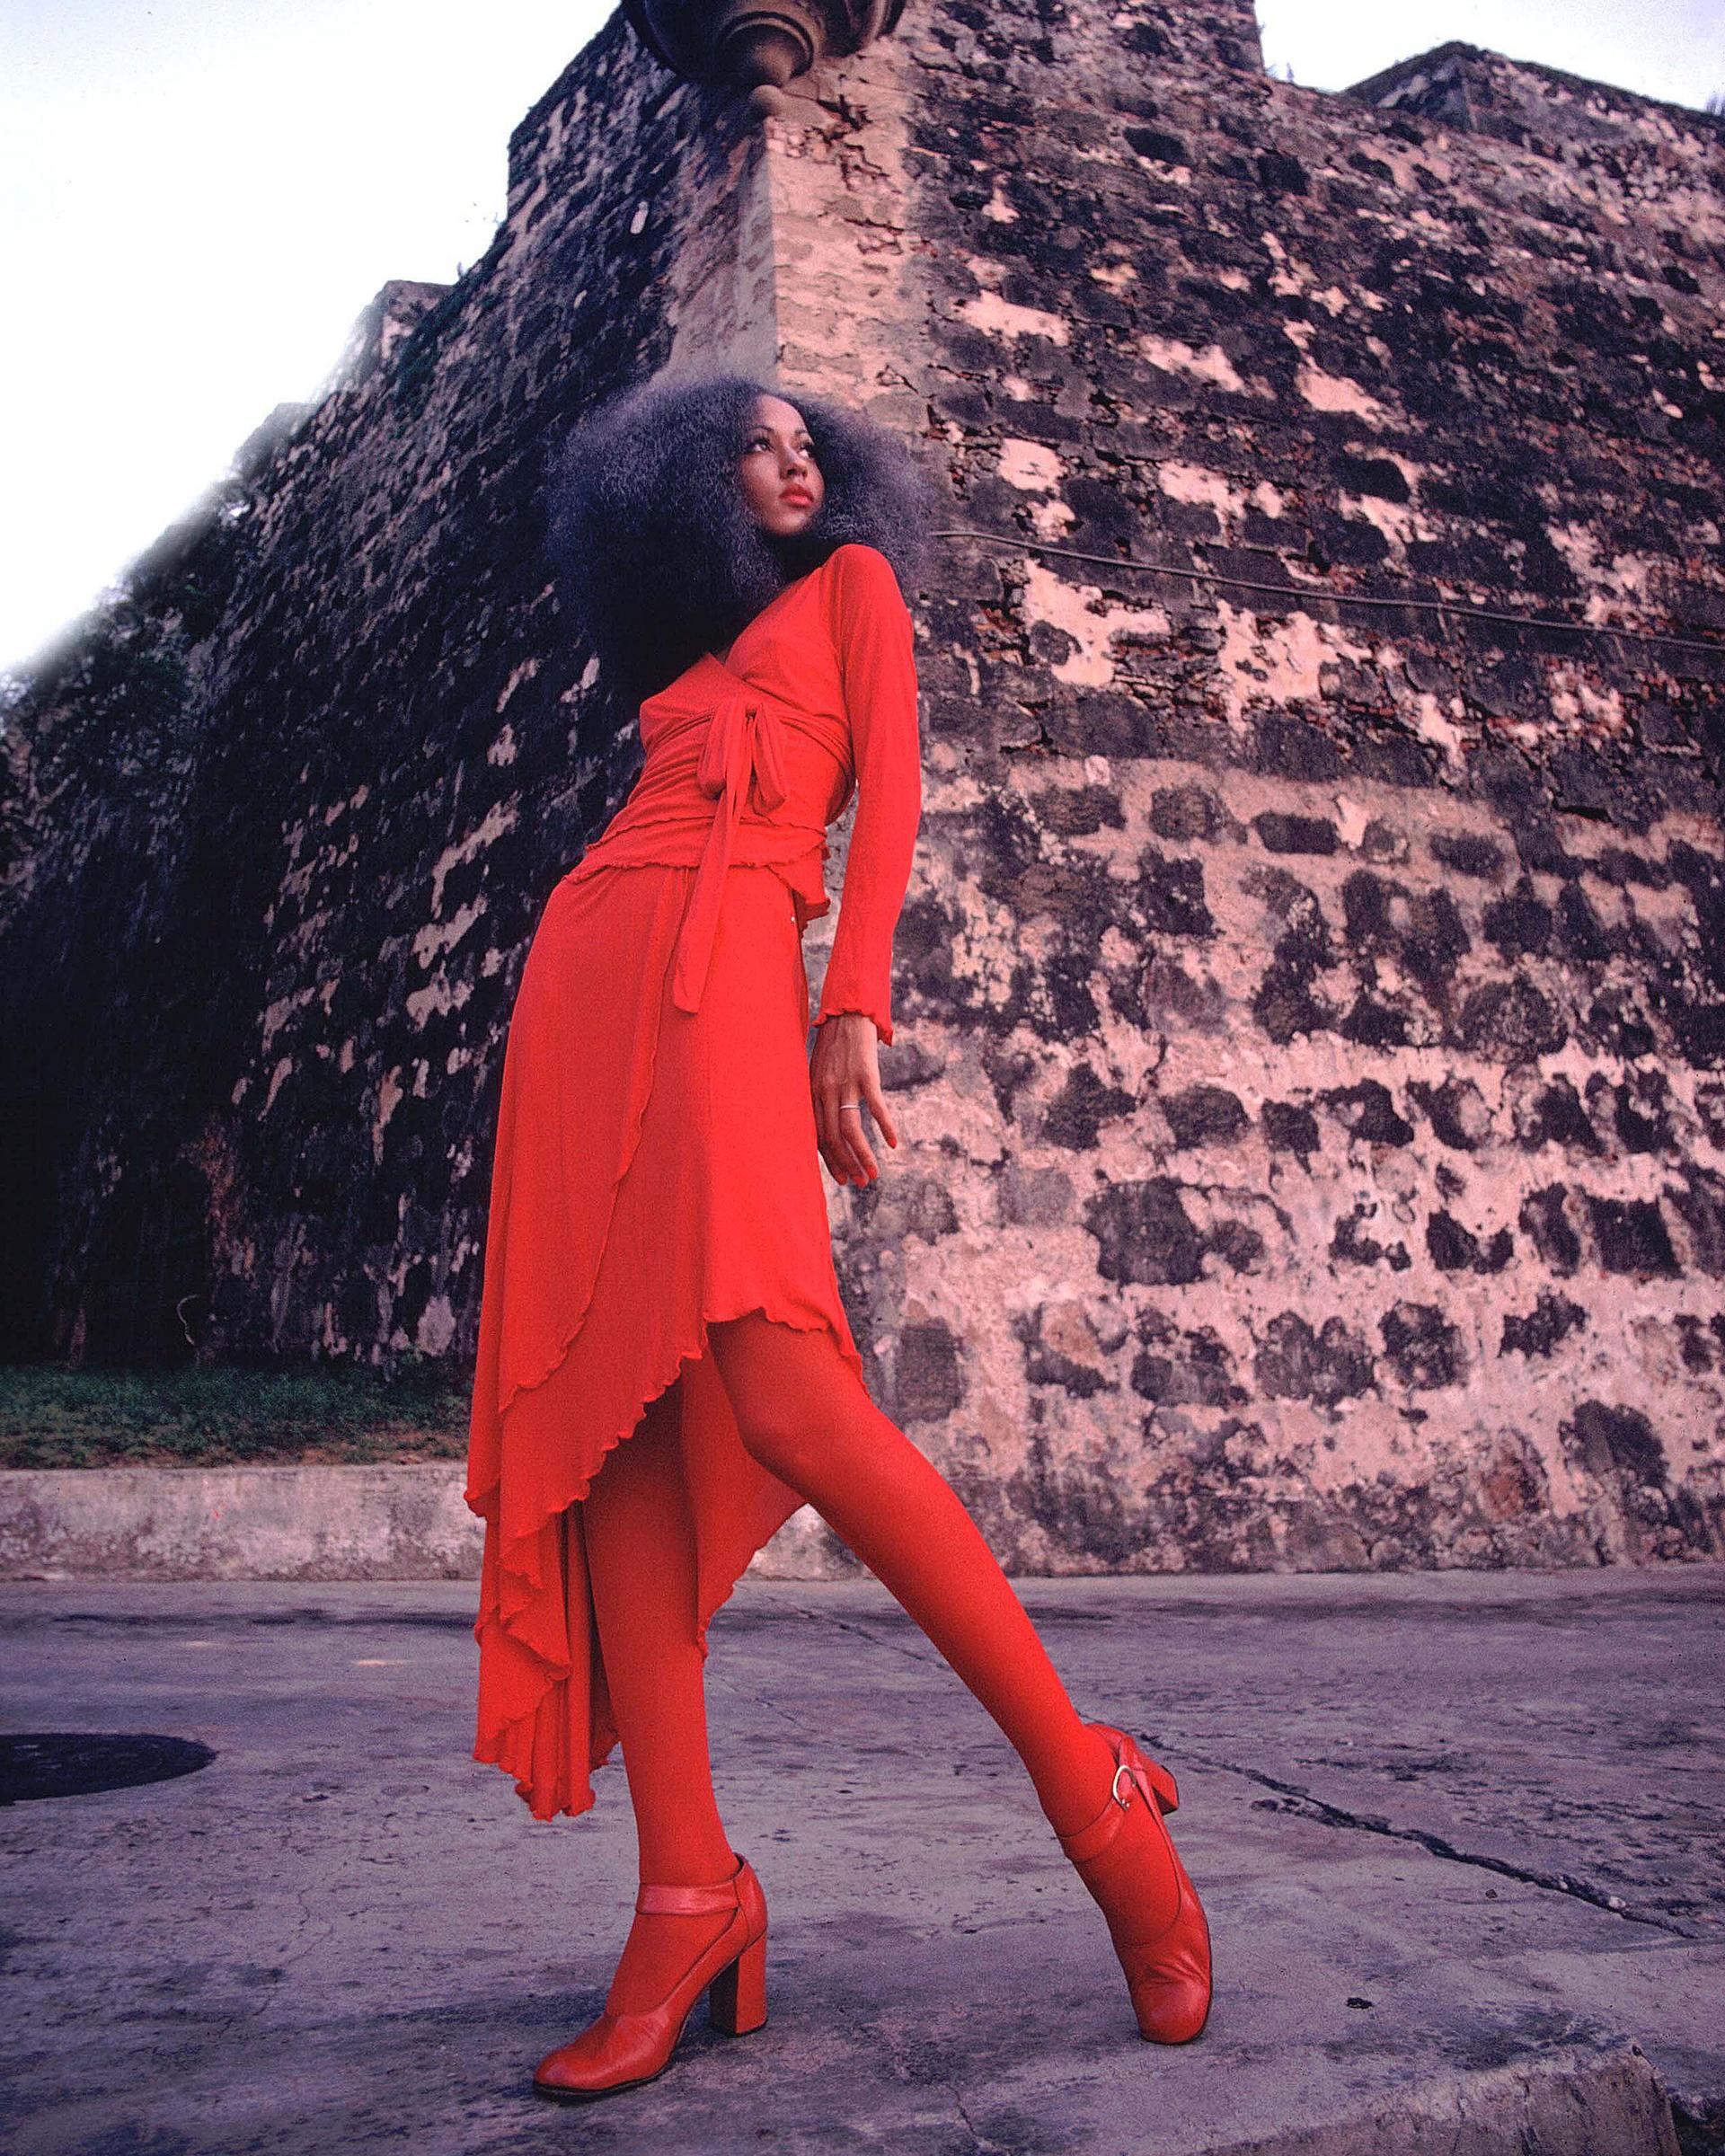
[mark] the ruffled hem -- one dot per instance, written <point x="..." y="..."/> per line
<point x="518" y="1743"/>
<point x="882" y="1023"/>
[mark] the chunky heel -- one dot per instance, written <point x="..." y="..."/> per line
<point x="1161" y="1785"/>
<point x="736" y="1996"/>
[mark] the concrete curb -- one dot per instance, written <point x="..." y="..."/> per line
<point x="238" y="1522"/>
<point x="1580" y="2101"/>
<point x="310" y="1523"/>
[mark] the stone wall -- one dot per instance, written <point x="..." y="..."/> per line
<point x="1312" y="1059"/>
<point x="276" y="832"/>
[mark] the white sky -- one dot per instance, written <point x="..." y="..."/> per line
<point x="196" y="201"/>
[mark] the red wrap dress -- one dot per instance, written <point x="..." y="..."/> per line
<point x="656" y="1167"/>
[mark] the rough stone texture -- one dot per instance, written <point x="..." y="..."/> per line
<point x="1313" y="1066"/>
<point x="1457" y="1835"/>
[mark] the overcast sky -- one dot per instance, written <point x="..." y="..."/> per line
<point x="197" y="201"/>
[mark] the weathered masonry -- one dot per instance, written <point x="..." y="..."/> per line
<point x="1312" y="1056"/>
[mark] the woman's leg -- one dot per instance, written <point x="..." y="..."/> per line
<point x="642" y="1567"/>
<point x="805" y="1415"/>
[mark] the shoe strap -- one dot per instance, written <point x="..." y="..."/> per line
<point x="1130" y="1779"/>
<point x="1092" y="1839"/>
<point x="666" y="1900"/>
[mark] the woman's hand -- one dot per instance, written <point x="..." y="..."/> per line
<point x="843" y="1072"/>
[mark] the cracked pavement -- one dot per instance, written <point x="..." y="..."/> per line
<point x="1458" y="1835"/>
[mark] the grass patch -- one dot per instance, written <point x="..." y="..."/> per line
<point x="54" y="1416"/>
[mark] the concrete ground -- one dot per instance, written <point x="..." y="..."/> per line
<point x="1459" y="1836"/>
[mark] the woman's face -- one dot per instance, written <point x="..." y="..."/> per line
<point x="782" y="482"/>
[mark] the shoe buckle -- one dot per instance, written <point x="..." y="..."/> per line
<point x="1114" y="1789"/>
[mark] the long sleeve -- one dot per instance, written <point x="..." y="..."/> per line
<point x="874" y="636"/>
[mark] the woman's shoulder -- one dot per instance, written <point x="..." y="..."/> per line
<point x="855" y="567"/>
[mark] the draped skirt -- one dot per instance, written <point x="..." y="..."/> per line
<point x="656" y="1171"/>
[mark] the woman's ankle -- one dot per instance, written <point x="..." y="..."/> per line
<point x="1074" y="1790"/>
<point x="684" y="1869"/>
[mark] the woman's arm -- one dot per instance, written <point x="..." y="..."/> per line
<point x="874" y="637"/>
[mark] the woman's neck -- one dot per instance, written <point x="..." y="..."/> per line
<point x="793" y="575"/>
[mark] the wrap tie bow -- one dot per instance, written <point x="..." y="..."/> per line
<point x="744" y="747"/>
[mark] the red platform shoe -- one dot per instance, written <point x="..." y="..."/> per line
<point x="621" y="2051"/>
<point x="1166" y="1958"/>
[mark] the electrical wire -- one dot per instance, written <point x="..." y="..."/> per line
<point x="1287" y="592"/>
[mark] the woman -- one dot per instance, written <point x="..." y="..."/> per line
<point x="658" y="1265"/>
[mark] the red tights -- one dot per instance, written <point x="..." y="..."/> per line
<point x="805" y="1415"/>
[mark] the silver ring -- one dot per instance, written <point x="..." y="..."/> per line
<point x="843" y="1105"/>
